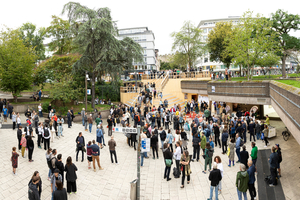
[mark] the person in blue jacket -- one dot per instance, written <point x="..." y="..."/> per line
<point x="251" y="172"/>
<point x="237" y="147"/>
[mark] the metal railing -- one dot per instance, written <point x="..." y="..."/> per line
<point x="164" y="82"/>
<point x="196" y="74"/>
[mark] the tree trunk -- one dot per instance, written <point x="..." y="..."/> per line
<point x="241" y="70"/>
<point x="93" y="86"/>
<point x="248" y="73"/>
<point x="15" y="97"/>
<point x="283" y="66"/>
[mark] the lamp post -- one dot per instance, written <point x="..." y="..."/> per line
<point x="86" y="77"/>
<point x="138" y="163"/>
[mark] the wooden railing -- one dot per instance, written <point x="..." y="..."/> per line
<point x="164" y="82"/>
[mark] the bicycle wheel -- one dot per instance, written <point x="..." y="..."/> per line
<point x="285" y="135"/>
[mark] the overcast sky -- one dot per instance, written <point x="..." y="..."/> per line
<point x="161" y="16"/>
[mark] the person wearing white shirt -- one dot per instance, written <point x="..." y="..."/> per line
<point x="46" y="136"/>
<point x="40" y="110"/>
<point x="218" y="160"/>
<point x="177" y="154"/>
<point x="40" y="134"/>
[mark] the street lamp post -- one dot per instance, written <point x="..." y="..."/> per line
<point x="86" y="77"/>
<point x="138" y="163"/>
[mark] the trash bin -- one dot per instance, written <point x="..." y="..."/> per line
<point x="133" y="190"/>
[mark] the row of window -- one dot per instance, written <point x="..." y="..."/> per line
<point x="132" y="31"/>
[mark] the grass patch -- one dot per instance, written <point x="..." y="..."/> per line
<point x="294" y="83"/>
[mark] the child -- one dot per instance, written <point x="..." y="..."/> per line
<point x="23" y="143"/>
<point x="14" y="160"/>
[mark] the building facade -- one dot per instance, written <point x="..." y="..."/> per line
<point x="146" y="39"/>
<point x="206" y="64"/>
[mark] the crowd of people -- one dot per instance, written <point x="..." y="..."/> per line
<point x="164" y="126"/>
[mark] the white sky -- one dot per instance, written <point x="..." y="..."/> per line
<point x="162" y="17"/>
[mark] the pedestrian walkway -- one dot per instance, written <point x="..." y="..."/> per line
<point x="113" y="181"/>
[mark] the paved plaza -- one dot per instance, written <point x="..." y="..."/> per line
<point x="114" y="181"/>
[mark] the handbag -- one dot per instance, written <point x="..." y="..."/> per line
<point x="228" y="151"/>
<point x="168" y="162"/>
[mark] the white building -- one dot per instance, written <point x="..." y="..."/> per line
<point x="146" y="39"/>
<point x="205" y="63"/>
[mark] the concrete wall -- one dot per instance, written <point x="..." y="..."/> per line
<point x="23" y="108"/>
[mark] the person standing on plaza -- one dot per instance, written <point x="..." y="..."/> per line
<point x="218" y="160"/>
<point x="40" y="110"/>
<point x="184" y="139"/>
<point x="82" y="116"/>
<point x="60" y="122"/>
<point x="153" y="142"/>
<point x="95" y="155"/>
<point x="28" y="130"/>
<point x="80" y="146"/>
<point x="14" y="120"/>
<point x="203" y="142"/>
<point x="60" y="165"/>
<point x="24" y="144"/>
<point x="71" y="176"/>
<point x="40" y="130"/>
<point x="177" y="155"/>
<point x="5" y="113"/>
<point x="244" y="156"/>
<point x="170" y="139"/>
<point x="168" y="155"/>
<point x="254" y="154"/>
<point x="273" y="160"/>
<point x="266" y="135"/>
<point x="238" y="147"/>
<point x="51" y="161"/>
<point x="89" y="154"/>
<point x="186" y="169"/>
<point x="72" y="114"/>
<point x="69" y="116"/>
<point x="18" y="120"/>
<point x="60" y="193"/>
<point x="55" y="177"/>
<point x="112" y="149"/>
<point x="48" y="154"/>
<point x="98" y="120"/>
<point x="208" y="154"/>
<point x="14" y="160"/>
<point x="19" y="136"/>
<point x="163" y="136"/>
<point x="215" y="178"/>
<point x="196" y="145"/>
<point x="242" y="180"/>
<point x="33" y="193"/>
<point x="46" y="136"/>
<point x="224" y="139"/>
<point x="109" y="124"/>
<point x="251" y="187"/>
<point x="99" y="134"/>
<point x="39" y="184"/>
<point x="278" y="151"/>
<point x="90" y="121"/>
<point x="30" y="146"/>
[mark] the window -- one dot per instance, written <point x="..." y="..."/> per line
<point x="209" y="29"/>
<point x="204" y="37"/>
<point x="205" y="30"/>
<point x="223" y="66"/>
<point x="205" y="60"/>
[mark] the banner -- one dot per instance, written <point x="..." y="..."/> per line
<point x="124" y="129"/>
<point x="145" y="144"/>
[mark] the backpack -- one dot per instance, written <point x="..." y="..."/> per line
<point x="138" y="118"/>
<point x="210" y="153"/>
<point x="180" y="120"/>
<point x="176" y="172"/>
<point x="242" y="143"/>
<point x="207" y="133"/>
<point x="49" y="162"/>
<point x="168" y="118"/>
<point x="46" y="133"/>
<point x="186" y="127"/>
<point x="118" y="121"/>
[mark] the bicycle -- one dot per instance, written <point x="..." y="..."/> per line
<point x="286" y="134"/>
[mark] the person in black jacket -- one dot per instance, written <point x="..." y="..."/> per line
<point x="28" y="131"/>
<point x="244" y="156"/>
<point x="39" y="184"/>
<point x="30" y="146"/>
<point x="60" y="165"/>
<point x="154" y="140"/>
<point x="215" y="177"/>
<point x="71" y="176"/>
<point x="80" y="146"/>
<point x="163" y="136"/>
<point x="60" y="193"/>
<point x="196" y="146"/>
<point x="251" y="128"/>
<point x="167" y="155"/>
<point x="217" y="134"/>
<point x="33" y="193"/>
<point x="19" y="136"/>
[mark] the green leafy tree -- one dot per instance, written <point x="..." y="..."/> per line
<point x="16" y="63"/>
<point x="252" y="43"/>
<point x="187" y="45"/>
<point x="283" y="23"/>
<point x="217" y="43"/>
<point x="33" y="37"/>
<point x="168" y="65"/>
<point x="96" y="40"/>
<point x="61" y="36"/>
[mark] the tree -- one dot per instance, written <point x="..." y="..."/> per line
<point x="16" y="63"/>
<point x="60" y="33"/>
<point x="217" y="43"/>
<point x="168" y="65"/>
<point x="34" y="38"/>
<point x="253" y="42"/>
<point x="187" y="44"/>
<point x="96" y="40"/>
<point x="283" y="23"/>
